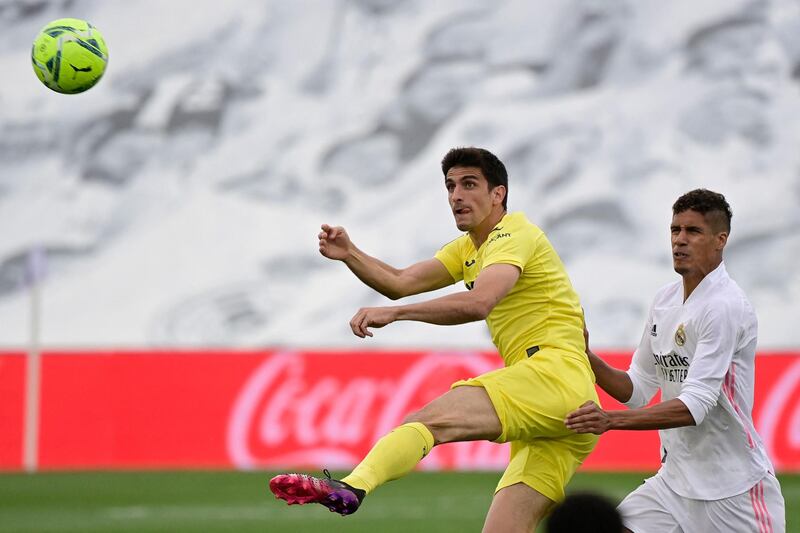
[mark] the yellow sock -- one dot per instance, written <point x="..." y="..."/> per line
<point x="393" y="456"/>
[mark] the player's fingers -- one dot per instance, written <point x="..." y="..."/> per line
<point x="329" y="232"/>
<point x="587" y="426"/>
<point x="589" y="421"/>
<point x="576" y="419"/>
<point x="365" y="322"/>
<point x="355" y="324"/>
<point x="580" y="412"/>
<point x="360" y="322"/>
<point x="579" y="427"/>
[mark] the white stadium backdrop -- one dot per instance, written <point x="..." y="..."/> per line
<point x="177" y="202"/>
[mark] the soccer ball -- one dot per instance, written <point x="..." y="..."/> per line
<point x="69" y="55"/>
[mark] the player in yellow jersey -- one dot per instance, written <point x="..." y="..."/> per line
<point x="518" y="284"/>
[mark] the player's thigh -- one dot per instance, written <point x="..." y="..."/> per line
<point x="517" y="508"/>
<point x="759" y="509"/>
<point x="653" y="508"/>
<point x="462" y="413"/>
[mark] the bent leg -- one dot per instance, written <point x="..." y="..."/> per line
<point x="473" y="410"/>
<point x="517" y="508"/>
<point x="653" y="506"/>
<point x="463" y="413"/>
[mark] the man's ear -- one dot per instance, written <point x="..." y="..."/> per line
<point x="722" y="239"/>
<point x="499" y="193"/>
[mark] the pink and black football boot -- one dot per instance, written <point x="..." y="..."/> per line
<point x="336" y="495"/>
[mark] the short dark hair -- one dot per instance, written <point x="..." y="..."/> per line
<point x="492" y="168"/>
<point x="584" y="513"/>
<point x="712" y="205"/>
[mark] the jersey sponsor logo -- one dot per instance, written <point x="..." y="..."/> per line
<point x="680" y="336"/>
<point x="498" y="236"/>
<point x="653" y="331"/>
<point x="673" y="367"/>
<point x="469" y="285"/>
<point x="469" y="263"/>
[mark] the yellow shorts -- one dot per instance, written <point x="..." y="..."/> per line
<point x="532" y="398"/>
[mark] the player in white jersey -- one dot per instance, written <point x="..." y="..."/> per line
<point x="698" y="347"/>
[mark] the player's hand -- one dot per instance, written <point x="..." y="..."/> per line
<point x="334" y="243"/>
<point x="588" y="418"/>
<point x="375" y="317"/>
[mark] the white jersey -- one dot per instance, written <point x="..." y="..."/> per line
<point x="702" y="352"/>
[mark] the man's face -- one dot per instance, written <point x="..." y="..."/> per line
<point x="469" y="196"/>
<point x="696" y="249"/>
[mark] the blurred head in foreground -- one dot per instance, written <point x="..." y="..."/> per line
<point x="584" y="513"/>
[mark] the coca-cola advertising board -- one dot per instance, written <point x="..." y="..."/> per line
<point x="295" y="409"/>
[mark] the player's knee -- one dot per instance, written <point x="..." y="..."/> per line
<point x="443" y="428"/>
<point x="421" y="417"/>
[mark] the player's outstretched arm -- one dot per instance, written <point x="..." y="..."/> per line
<point x="591" y="418"/>
<point x="492" y="284"/>
<point x="394" y="283"/>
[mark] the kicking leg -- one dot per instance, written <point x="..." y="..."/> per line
<point x="463" y="413"/>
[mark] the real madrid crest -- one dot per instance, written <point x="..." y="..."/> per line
<point x="680" y="336"/>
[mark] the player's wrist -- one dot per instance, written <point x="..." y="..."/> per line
<point x="399" y="312"/>
<point x="352" y="256"/>
<point x="616" y="419"/>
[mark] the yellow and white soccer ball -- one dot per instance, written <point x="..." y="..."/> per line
<point x="69" y="55"/>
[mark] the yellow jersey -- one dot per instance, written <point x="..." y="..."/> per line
<point x="541" y="309"/>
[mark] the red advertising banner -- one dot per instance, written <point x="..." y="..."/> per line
<point x="12" y="396"/>
<point x="295" y="409"/>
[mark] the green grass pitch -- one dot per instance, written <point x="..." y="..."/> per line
<point x="236" y="501"/>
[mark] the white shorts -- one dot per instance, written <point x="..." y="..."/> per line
<point x="655" y="508"/>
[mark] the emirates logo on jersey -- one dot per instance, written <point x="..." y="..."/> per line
<point x="680" y="336"/>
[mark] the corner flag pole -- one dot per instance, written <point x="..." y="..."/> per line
<point x="33" y="367"/>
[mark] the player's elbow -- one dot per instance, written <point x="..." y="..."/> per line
<point x="696" y="400"/>
<point x="397" y="289"/>
<point x="393" y="294"/>
<point x="689" y="411"/>
<point x="480" y="309"/>
<point x="401" y="286"/>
